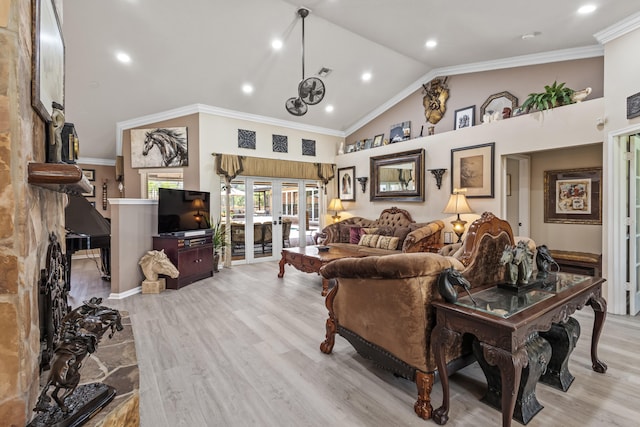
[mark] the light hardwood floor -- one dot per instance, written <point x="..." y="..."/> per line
<point x="242" y="349"/>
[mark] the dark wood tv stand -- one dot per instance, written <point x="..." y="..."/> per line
<point x="192" y="256"/>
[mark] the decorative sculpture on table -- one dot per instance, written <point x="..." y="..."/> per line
<point x="152" y="264"/>
<point x="518" y="262"/>
<point x="449" y="278"/>
<point x="82" y="330"/>
<point x="544" y="261"/>
<point x="435" y="98"/>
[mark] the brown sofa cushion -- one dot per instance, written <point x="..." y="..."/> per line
<point x="401" y="234"/>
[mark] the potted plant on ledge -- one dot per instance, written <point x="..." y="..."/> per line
<point x="554" y="95"/>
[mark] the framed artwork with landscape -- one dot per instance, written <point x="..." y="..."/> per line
<point x="346" y="182"/>
<point x="473" y="168"/>
<point x="573" y="196"/>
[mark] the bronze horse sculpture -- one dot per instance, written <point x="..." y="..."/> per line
<point x="82" y="330"/>
<point x="172" y="146"/>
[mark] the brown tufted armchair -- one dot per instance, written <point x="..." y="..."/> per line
<point x="382" y="305"/>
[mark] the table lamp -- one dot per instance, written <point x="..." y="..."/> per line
<point x="335" y="205"/>
<point x="458" y="204"/>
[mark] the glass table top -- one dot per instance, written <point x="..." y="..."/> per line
<point x="505" y="303"/>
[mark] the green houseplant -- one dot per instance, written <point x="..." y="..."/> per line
<point x="219" y="242"/>
<point x="553" y="96"/>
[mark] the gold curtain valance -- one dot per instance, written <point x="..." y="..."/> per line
<point x="230" y="166"/>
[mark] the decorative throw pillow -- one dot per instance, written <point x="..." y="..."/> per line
<point x="387" y="242"/>
<point x="355" y="233"/>
<point x="369" y="230"/>
<point x="401" y="233"/>
<point x="370" y="240"/>
<point x="345" y="233"/>
<point x="385" y="231"/>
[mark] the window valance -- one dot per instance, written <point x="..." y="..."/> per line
<point x="230" y="166"/>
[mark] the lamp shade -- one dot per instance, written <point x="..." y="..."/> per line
<point x="335" y="205"/>
<point x="457" y="204"/>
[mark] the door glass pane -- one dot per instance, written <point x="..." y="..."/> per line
<point x="313" y="211"/>
<point x="237" y="207"/>
<point x="290" y="215"/>
<point x="262" y="219"/>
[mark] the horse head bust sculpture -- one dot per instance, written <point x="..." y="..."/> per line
<point x="157" y="262"/>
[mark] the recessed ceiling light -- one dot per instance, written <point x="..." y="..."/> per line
<point x="586" y="9"/>
<point x="276" y="44"/>
<point x="328" y="108"/>
<point x="123" y="57"/>
<point x="247" y="88"/>
<point x="431" y="43"/>
<point x="366" y="76"/>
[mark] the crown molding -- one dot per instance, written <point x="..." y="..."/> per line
<point x="96" y="162"/>
<point x="516" y="61"/>
<point x="217" y="111"/>
<point x="619" y="29"/>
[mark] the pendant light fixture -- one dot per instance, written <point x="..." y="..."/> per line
<point x="310" y="90"/>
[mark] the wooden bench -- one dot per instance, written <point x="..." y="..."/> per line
<point x="578" y="262"/>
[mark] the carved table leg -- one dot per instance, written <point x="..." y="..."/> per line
<point x="510" y="365"/>
<point x="527" y="406"/>
<point x="332" y="324"/>
<point x="424" y="382"/>
<point x="442" y="338"/>
<point x="599" y="306"/>
<point x="283" y="261"/>
<point x="563" y="338"/>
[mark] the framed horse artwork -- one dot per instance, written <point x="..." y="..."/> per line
<point x="159" y="147"/>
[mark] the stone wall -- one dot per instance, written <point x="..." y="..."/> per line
<point x="27" y="215"/>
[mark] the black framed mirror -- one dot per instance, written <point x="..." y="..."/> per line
<point x="398" y="176"/>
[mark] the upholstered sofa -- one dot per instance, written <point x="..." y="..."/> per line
<point x="393" y="232"/>
<point x="382" y="304"/>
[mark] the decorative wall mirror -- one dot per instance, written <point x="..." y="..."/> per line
<point x="498" y="102"/>
<point x="398" y="176"/>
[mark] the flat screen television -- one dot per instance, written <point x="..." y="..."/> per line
<point x="182" y="210"/>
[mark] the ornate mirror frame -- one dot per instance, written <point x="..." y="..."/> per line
<point x="504" y="99"/>
<point x="408" y="167"/>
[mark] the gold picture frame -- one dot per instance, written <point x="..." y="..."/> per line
<point x="573" y="196"/>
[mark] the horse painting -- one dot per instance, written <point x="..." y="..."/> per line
<point x="171" y="144"/>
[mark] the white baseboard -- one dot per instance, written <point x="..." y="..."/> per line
<point x="126" y="294"/>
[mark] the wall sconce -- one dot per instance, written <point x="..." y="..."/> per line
<point x="458" y="204"/>
<point x="104" y="194"/>
<point x="437" y="173"/>
<point x="363" y="182"/>
<point x="335" y="205"/>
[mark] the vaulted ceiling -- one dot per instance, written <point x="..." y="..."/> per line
<point x="203" y="51"/>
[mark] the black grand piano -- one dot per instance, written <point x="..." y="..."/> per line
<point x="87" y="229"/>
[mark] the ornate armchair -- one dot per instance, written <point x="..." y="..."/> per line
<point x="382" y="305"/>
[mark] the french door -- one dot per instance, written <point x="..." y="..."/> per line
<point x="633" y="221"/>
<point x="268" y="214"/>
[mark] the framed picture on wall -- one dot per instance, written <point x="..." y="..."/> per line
<point x="573" y="196"/>
<point x="159" y="147"/>
<point x="473" y="168"/>
<point x="465" y="117"/>
<point x="346" y="182"/>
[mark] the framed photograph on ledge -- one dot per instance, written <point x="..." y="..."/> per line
<point x="573" y="196"/>
<point x="465" y="117"/>
<point x="473" y="168"/>
<point x="346" y="182"/>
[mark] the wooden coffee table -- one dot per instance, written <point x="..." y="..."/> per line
<point x="309" y="259"/>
